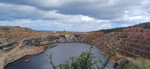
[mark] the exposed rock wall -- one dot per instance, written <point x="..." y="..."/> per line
<point x="70" y="38"/>
<point x="134" y="41"/>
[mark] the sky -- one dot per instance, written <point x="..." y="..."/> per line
<point x="73" y="15"/>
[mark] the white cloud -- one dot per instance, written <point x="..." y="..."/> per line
<point x="86" y="18"/>
<point x="73" y="15"/>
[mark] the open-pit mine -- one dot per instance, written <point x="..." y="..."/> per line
<point x="17" y="42"/>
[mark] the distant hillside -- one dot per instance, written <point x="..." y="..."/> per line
<point x="111" y="30"/>
<point x="142" y="25"/>
<point x="15" y="29"/>
<point x="48" y="31"/>
<point x="43" y="30"/>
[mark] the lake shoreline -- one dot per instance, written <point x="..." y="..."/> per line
<point x="78" y="47"/>
<point x="33" y="51"/>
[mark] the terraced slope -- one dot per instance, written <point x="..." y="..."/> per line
<point x="134" y="41"/>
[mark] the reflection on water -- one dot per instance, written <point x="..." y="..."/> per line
<point x="61" y="53"/>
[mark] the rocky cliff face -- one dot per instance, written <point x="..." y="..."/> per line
<point x="10" y="36"/>
<point x="134" y="41"/>
<point x="70" y="38"/>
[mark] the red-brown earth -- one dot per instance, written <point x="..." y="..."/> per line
<point x="134" y="41"/>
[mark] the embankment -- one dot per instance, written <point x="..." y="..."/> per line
<point x="21" y="52"/>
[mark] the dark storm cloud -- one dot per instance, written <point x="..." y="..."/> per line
<point x="12" y="12"/>
<point x="99" y="9"/>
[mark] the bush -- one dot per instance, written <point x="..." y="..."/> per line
<point x="141" y="64"/>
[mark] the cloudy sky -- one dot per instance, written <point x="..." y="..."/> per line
<point x="73" y="15"/>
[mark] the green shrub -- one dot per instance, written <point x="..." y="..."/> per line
<point x="141" y="64"/>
